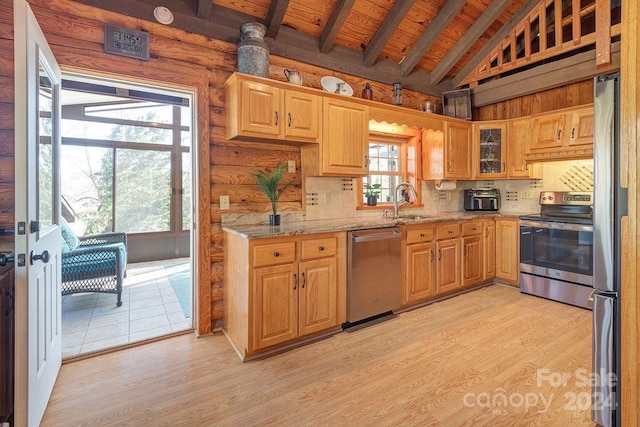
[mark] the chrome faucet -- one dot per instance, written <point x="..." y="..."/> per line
<point x="396" y="202"/>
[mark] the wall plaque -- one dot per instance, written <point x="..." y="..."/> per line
<point x="126" y="42"/>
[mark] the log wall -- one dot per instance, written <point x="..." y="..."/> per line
<point x="186" y="61"/>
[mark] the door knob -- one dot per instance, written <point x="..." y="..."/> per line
<point x="44" y="257"/>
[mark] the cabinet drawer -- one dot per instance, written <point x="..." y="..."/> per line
<point x="447" y="231"/>
<point x="318" y="248"/>
<point x="471" y="228"/>
<point x="418" y="235"/>
<point x="275" y="253"/>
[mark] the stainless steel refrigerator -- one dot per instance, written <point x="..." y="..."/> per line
<point x="610" y="205"/>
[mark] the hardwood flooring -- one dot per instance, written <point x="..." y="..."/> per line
<point x="489" y="357"/>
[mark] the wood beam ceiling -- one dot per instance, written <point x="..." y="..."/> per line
<point x="472" y="35"/>
<point x="391" y="23"/>
<point x="430" y="34"/>
<point x="337" y="18"/>
<point x="275" y="16"/>
<point x="504" y="31"/>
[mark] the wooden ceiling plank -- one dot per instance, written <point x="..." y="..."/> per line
<point x="503" y="32"/>
<point x="547" y="76"/>
<point x="430" y="34"/>
<point x="469" y="38"/>
<point x="389" y="25"/>
<point x="275" y="16"/>
<point x="337" y="18"/>
<point x="204" y="8"/>
<point x="603" y="32"/>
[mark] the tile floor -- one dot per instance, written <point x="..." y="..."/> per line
<point x="150" y="308"/>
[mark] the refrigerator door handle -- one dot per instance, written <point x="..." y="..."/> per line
<point x="604" y="381"/>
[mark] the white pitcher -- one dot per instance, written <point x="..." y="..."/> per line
<point x="293" y="76"/>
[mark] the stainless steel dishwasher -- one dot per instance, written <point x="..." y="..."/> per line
<point x="373" y="277"/>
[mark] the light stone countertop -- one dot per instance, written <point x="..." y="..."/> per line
<point x="350" y="224"/>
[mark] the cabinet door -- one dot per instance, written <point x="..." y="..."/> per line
<point x="457" y="151"/>
<point x="547" y="132"/>
<point x="517" y="144"/>
<point x="581" y="132"/>
<point x="345" y="138"/>
<point x="420" y="268"/>
<point x="489" y="249"/>
<point x="275" y="305"/>
<point x="302" y="111"/>
<point x="490" y="150"/>
<point x="508" y="250"/>
<point x="260" y="112"/>
<point x="448" y="269"/>
<point x="472" y="260"/>
<point x="317" y="295"/>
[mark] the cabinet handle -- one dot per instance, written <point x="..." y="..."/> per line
<point x="321" y="248"/>
<point x="289" y="119"/>
<point x="276" y="118"/>
<point x="559" y="133"/>
<point x="573" y="133"/>
<point x="304" y="280"/>
<point x="504" y="166"/>
<point x="432" y="256"/>
<point x="295" y="281"/>
<point x="448" y="166"/>
<point x="486" y="232"/>
<point x="366" y="161"/>
<point x="450" y="231"/>
<point x="276" y="254"/>
<point x="474" y="229"/>
<point x="422" y="235"/>
<point x="526" y="166"/>
<point x="439" y="254"/>
<point x="10" y="295"/>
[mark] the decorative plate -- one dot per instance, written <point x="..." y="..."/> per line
<point x="336" y="85"/>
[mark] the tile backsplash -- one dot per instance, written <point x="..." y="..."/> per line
<point x="331" y="198"/>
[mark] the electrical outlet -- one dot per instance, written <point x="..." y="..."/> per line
<point x="291" y="166"/>
<point x="224" y="202"/>
<point x="527" y="194"/>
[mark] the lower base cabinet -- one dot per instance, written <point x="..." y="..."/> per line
<point x="282" y="290"/>
<point x="508" y="250"/>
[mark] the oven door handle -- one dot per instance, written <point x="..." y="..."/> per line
<point x="557" y="225"/>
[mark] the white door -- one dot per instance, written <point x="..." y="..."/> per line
<point x="37" y="207"/>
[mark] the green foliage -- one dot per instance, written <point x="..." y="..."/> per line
<point x="372" y="190"/>
<point x="268" y="183"/>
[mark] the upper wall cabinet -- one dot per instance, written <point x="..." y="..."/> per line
<point x="447" y="151"/>
<point x="490" y="149"/>
<point x="564" y="134"/>
<point x="278" y="111"/>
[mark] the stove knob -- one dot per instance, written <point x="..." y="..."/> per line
<point x="550" y="197"/>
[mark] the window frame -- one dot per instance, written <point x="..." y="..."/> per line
<point x="409" y="141"/>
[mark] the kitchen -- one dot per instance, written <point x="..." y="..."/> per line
<point x="226" y="155"/>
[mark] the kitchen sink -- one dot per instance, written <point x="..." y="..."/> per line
<point x="413" y="217"/>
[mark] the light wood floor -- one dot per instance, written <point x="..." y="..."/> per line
<point x="447" y="364"/>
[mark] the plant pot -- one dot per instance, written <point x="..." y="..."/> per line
<point x="372" y="200"/>
<point x="274" y="219"/>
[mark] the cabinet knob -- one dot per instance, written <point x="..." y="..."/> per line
<point x="321" y="248"/>
<point x="276" y="254"/>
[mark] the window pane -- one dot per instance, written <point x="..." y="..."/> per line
<point x="186" y="191"/>
<point x="45" y="154"/>
<point x="132" y="110"/>
<point x="143" y="191"/>
<point x="87" y="190"/>
<point x="116" y="132"/>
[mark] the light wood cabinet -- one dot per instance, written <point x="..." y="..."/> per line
<point x="508" y="250"/>
<point x="518" y="140"/>
<point x="489" y="253"/>
<point x="344" y="148"/>
<point x="259" y="108"/>
<point x="563" y="134"/>
<point x="283" y="290"/>
<point x="490" y="149"/>
<point x="419" y="264"/>
<point x="472" y="252"/>
<point x="458" y="151"/>
<point x="448" y="258"/>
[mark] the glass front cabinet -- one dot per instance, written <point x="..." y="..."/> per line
<point x="490" y="149"/>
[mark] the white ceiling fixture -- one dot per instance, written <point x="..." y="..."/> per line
<point x="163" y="15"/>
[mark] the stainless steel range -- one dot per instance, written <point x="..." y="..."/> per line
<point x="556" y="248"/>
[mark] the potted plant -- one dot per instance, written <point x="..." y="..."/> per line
<point x="268" y="182"/>
<point x="372" y="193"/>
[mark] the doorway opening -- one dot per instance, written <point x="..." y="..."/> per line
<point x="126" y="167"/>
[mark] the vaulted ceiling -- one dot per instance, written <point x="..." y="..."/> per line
<point x="429" y="45"/>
